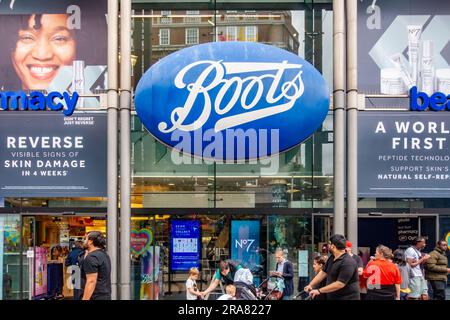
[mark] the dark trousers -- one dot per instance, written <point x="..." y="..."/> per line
<point x="77" y="294"/>
<point x="383" y="293"/>
<point x="438" y="289"/>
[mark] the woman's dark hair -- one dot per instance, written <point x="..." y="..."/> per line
<point x="339" y="241"/>
<point x="97" y="239"/>
<point x="52" y="251"/>
<point x="419" y="239"/>
<point x="91" y="39"/>
<point x="223" y="265"/>
<point x="399" y="257"/>
<point x="322" y="260"/>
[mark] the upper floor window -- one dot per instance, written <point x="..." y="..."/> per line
<point x="231" y="15"/>
<point x="232" y="34"/>
<point x="191" y="35"/>
<point x="193" y="16"/>
<point x="250" y="15"/>
<point x="165" y="17"/>
<point x="251" y="33"/>
<point x="164" y="37"/>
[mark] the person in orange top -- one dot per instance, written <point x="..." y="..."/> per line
<point x="383" y="276"/>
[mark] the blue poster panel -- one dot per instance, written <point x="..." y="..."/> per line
<point x="184" y="244"/>
<point x="403" y="154"/>
<point x="44" y="154"/>
<point x="245" y="242"/>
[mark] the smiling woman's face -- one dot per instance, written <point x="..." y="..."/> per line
<point x="41" y="52"/>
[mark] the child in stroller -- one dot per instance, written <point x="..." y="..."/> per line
<point x="272" y="288"/>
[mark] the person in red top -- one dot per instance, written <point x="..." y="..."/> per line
<point x="383" y="276"/>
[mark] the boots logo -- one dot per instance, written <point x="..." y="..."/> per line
<point x="242" y="86"/>
<point x="232" y="100"/>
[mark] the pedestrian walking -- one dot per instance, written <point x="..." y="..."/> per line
<point x="318" y="265"/>
<point x="96" y="269"/>
<point x="285" y="269"/>
<point x="405" y="272"/>
<point x="416" y="259"/>
<point x="340" y="272"/>
<point x="383" y="276"/>
<point x="359" y="262"/>
<point x="73" y="261"/>
<point x="436" y="270"/>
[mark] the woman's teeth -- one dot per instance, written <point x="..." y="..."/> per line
<point x="42" y="70"/>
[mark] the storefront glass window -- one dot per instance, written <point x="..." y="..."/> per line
<point x="297" y="180"/>
<point x="306" y="170"/>
<point x="9" y="257"/>
<point x="223" y="236"/>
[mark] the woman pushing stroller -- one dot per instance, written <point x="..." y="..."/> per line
<point x="231" y="272"/>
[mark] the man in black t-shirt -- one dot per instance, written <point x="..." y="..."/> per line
<point x="340" y="272"/>
<point x="96" y="269"/>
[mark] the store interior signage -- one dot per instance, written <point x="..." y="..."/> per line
<point x="37" y="101"/>
<point x="185" y="244"/>
<point x="140" y="241"/>
<point x="420" y="101"/>
<point x="215" y="102"/>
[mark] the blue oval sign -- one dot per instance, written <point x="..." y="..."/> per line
<point x="232" y="100"/>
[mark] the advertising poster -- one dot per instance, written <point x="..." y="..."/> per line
<point x="245" y="242"/>
<point x="303" y="263"/>
<point x="404" y="154"/>
<point x="401" y="44"/>
<point x="141" y="240"/>
<point x="407" y="232"/>
<point x="55" y="46"/>
<point x="184" y="245"/>
<point x="150" y="274"/>
<point x="51" y="155"/>
<point x="396" y="233"/>
<point x="40" y="271"/>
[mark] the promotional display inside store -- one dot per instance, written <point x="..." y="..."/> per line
<point x="195" y="203"/>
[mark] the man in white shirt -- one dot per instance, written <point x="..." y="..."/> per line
<point x="417" y="283"/>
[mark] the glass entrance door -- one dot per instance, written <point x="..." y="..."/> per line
<point x="10" y="257"/>
<point x="50" y="245"/>
<point x="33" y="271"/>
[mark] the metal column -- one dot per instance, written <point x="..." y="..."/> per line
<point x="339" y="114"/>
<point x="112" y="231"/>
<point x="125" y="148"/>
<point x="352" y="123"/>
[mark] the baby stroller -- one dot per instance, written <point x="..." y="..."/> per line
<point x="245" y="291"/>
<point x="272" y="288"/>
